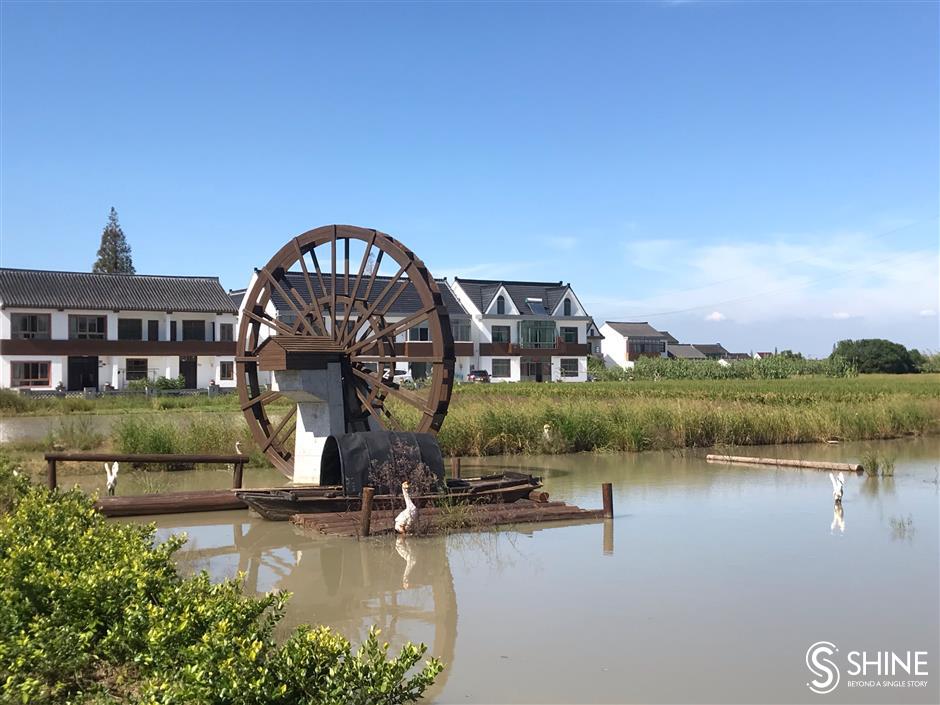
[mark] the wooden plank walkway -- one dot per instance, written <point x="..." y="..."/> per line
<point x="462" y="518"/>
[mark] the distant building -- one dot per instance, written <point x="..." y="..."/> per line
<point x="713" y="351"/>
<point x="685" y="352"/>
<point x="528" y="331"/>
<point x="627" y="341"/>
<point x="79" y="330"/>
<point x="594" y="339"/>
<point x="762" y="355"/>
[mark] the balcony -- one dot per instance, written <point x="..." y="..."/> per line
<point x="557" y="349"/>
<point x="149" y="348"/>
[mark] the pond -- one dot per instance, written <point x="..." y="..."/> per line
<point x="709" y="585"/>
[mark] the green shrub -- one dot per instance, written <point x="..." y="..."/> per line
<point x="94" y="611"/>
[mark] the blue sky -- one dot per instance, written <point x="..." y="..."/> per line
<point x="760" y="174"/>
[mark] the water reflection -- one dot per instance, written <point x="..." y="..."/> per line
<point x="838" y="518"/>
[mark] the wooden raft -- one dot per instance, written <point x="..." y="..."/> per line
<point x="783" y="462"/>
<point x="433" y="520"/>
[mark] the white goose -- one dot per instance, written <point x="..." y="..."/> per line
<point x="406" y="522"/>
<point x="838" y="487"/>
<point x="112" y="473"/>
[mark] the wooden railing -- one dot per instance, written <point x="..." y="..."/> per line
<point x="237" y="461"/>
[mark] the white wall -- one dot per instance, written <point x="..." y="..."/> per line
<point x="614" y="348"/>
<point x="556" y="370"/>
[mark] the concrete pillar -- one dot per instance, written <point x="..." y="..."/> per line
<point x="319" y="397"/>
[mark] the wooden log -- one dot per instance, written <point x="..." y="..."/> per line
<point x="538" y="496"/>
<point x="50" y="468"/>
<point x="455" y="468"/>
<point x="368" y="494"/>
<point x="147" y="457"/>
<point x="607" y="493"/>
<point x="238" y="475"/>
<point x="783" y="462"/>
<point x="169" y="503"/>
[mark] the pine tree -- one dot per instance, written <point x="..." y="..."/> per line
<point x="114" y="254"/>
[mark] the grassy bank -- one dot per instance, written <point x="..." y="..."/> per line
<point x="609" y="416"/>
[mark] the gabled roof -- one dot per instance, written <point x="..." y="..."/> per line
<point x="597" y="331"/>
<point x="711" y="348"/>
<point x="686" y="352"/>
<point x="668" y="337"/>
<point x="634" y="329"/>
<point x="39" y="288"/>
<point x="482" y="292"/>
<point x="407" y="303"/>
<point x="236" y="295"/>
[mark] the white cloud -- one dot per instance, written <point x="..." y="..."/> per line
<point x="927" y="313"/>
<point x="841" y="315"/>
<point x="715" y="316"/>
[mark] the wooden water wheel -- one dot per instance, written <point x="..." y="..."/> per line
<point x="314" y="309"/>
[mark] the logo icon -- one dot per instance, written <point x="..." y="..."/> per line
<point x="825" y="671"/>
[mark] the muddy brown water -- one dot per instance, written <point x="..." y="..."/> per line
<point x="709" y="586"/>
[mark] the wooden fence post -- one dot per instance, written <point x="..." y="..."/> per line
<point x="366" y="526"/>
<point x="607" y="492"/>
<point x="455" y="467"/>
<point x="50" y="465"/>
<point x="237" y="476"/>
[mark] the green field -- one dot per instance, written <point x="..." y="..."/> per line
<point x="602" y="416"/>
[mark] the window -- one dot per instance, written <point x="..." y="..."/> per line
<point x="31" y="325"/>
<point x="419" y="333"/>
<point x="500" y="306"/>
<point x="172" y="330"/>
<point x="29" y="374"/>
<point x="194" y="330"/>
<point x="569" y="334"/>
<point x="500" y="334"/>
<point x="569" y="367"/>
<point x="136" y="369"/>
<point x="537" y="334"/>
<point x="88" y="327"/>
<point x="501" y="368"/>
<point x="153" y="330"/>
<point x="226" y="332"/>
<point x="460" y="329"/>
<point x="226" y="370"/>
<point x="130" y="329"/>
<point x="567" y="307"/>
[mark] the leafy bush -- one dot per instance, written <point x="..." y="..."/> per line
<point x="94" y="611"/>
<point x="877" y="355"/>
<point x="169" y="383"/>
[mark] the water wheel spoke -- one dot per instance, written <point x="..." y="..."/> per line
<point x="290" y="301"/>
<point x="280" y="427"/>
<point x="371" y="310"/>
<point x="323" y="289"/>
<point x="314" y="301"/>
<point x="392" y="329"/>
<point x="355" y="290"/>
<point x="265" y="319"/>
<point x="392" y="388"/>
<point x="333" y="283"/>
<point x="263" y="398"/>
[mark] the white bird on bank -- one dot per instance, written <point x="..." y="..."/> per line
<point x="547" y="433"/>
<point x="407" y="520"/>
<point x="238" y="447"/>
<point x="112" y="473"/>
<point x="838" y="487"/>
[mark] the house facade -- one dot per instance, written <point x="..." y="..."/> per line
<point x="627" y="341"/>
<point x="78" y="330"/>
<point x="525" y="331"/>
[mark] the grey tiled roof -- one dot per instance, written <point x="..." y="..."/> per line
<point x="635" y="329"/>
<point x="236" y="295"/>
<point x="36" y="288"/>
<point x="686" y="352"/>
<point x="407" y="303"/>
<point x="711" y="348"/>
<point x="668" y="336"/>
<point x="482" y="292"/>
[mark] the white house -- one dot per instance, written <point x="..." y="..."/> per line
<point x="626" y="341"/>
<point x="529" y="331"/>
<point x="79" y="329"/>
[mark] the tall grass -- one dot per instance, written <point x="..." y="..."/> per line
<point x="194" y="435"/>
